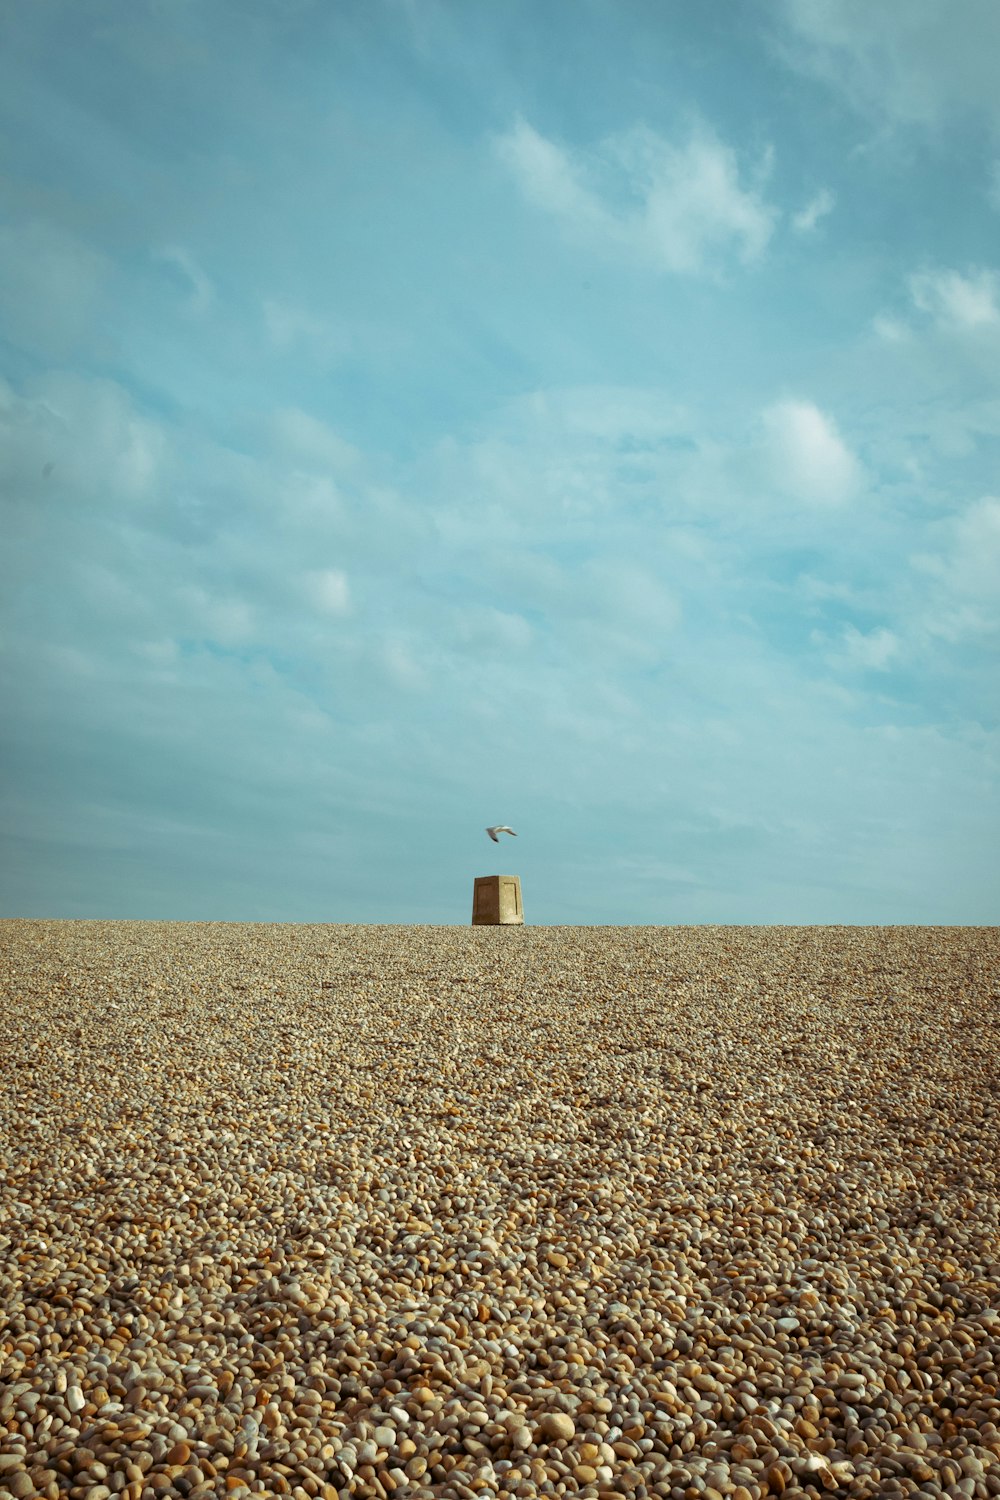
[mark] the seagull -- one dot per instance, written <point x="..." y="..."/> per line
<point x="500" y="828"/>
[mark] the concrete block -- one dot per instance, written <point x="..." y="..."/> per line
<point x="496" y="901"/>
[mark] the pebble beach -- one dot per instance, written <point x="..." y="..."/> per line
<point x="322" y="1210"/>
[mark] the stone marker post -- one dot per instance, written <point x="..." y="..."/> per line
<point x="496" y="901"/>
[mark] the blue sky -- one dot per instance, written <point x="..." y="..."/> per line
<point x="579" y="415"/>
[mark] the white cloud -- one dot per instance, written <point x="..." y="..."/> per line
<point x="911" y="63"/>
<point x="548" y="176"/>
<point x="958" y="301"/>
<point x="612" y="413"/>
<point x="50" y="285"/>
<point x="289" y="327"/>
<point x="808" y="459"/>
<point x="621" y="614"/>
<point x="491" y="630"/>
<point x="976" y="555"/>
<point x="890" y="330"/>
<point x="313" y="441"/>
<point x="162" y="652"/>
<point x="964" y="599"/>
<point x="875" y="651"/>
<point x="963" y="304"/>
<point x="329" y="590"/>
<point x="993" y="187"/>
<point x="210" y="615"/>
<point x="401" y="666"/>
<point x="677" y="208"/>
<point x="629" y="594"/>
<point x="817" y="208"/>
<point x="82" y="437"/>
<point x="308" y="501"/>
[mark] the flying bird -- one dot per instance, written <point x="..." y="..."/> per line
<point x="500" y="828"/>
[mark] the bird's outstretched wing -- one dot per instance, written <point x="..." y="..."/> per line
<point x="500" y="828"/>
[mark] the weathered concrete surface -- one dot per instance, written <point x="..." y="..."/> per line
<point x="496" y="901"/>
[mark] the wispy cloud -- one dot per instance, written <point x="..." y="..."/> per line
<point x="890" y="330"/>
<point x="910" y="64"/>
<point x="681" y="208"/>
<point x="289" y="327"/>
<point x="199" y="291"/>
<point x="72" y="439"/>
<point x="809" y="459"/>
<point x="874" y="650"/>
<point x="223" y="619"/>
<point x="818" y="207"/>
<point x="963" y="601"/>
<point x="329" y="590"/>
<point x="963" y="301"/>
<point x="51" y="283"/>
<point x="310" y="440"/>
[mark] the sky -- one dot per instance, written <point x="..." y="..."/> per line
<point x="424" y="414"/>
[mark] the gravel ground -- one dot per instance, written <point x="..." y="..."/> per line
<point x="441" y="1211"/>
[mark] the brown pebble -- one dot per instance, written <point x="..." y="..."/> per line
<point x="555" y="1424"/>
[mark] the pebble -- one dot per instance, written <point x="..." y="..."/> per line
<point x="556" y="1424"/>
<point x="335" y="1210"/>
